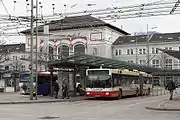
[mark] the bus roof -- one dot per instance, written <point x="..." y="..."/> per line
<point x="41" y="73"/>
<point x="132" y="72"/>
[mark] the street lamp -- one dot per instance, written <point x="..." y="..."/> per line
<point x="148" y="39"/>
<point x="36" y="47"/>
<point x="31" y="53"/>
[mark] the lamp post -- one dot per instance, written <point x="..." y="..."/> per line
<point x="36" y="47"/>
<point x="31" y="53"/>
<point x="148" y="45"/>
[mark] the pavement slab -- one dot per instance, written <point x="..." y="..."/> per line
<point x="166" y="104"/>
<point x="124" y="109"/>
<point x="16" y="98"/>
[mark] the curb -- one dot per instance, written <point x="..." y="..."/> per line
<point x="162" y="109"/>
<point x="48" y="101"/>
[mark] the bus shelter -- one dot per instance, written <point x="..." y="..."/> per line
<point x="78" y="63"/>
<point x="96" y="61"/>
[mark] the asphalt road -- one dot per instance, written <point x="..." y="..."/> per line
<point x="124" y="109"/>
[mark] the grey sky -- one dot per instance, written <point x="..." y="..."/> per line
<point x="163" y="23"/>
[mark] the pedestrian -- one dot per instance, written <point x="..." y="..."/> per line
<point x="24" y="87"/>
<point x="78" y="84"/>
<point x="65" y="90"/>
<point x="56" y="88"/>
<point x="171" y="87"/>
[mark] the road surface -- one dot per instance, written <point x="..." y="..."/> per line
<point x="124" y="109"/>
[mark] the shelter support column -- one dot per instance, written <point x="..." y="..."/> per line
<point x="71" y="83"/>
<point x="60" y="82"/>
<point x="75" y="71"/>
<point x="51" y="84"/>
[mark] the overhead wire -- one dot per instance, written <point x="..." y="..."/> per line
<point x="5" y="7"/>
<point x="156" y="8"/>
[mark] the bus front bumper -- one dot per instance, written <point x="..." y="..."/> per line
<point x="102" y="93"/>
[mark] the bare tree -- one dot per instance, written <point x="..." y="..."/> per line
<point x="162" y="58"/>
<point x="163" y="61"/>
<point x="2" y="54"/>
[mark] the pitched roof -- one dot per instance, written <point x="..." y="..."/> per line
<point x="173" y="53"/>
<point x="160" y="37"/>
<point x="76" y="22"/>
<point x="12" y="48"/>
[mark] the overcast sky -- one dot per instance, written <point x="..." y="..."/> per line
<point x="164" y="24"/>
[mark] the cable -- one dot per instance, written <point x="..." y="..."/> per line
<point x="157" y="8"/>
<point x="5" y="7"/>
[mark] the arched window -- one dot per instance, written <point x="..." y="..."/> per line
<point x="79" y="49"/>
<point x="63" y="51"/>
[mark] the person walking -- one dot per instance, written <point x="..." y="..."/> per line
<point x="65" y="90"/>
<point x="171" y="87"/>
<point x="24" y="87"/>
<point x="56" y="89"/>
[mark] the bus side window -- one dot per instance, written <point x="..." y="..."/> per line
<point x="145" y="81"/>
<point x="136" y="80"/>
<point x="115" y="82"/>
<point x="133" y="82"/>
<point x="150" y="80"/>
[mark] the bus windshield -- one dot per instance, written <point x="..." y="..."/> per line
<point x="98" y="79"/>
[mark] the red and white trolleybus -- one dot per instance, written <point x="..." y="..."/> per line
<point x="117" y="82"/>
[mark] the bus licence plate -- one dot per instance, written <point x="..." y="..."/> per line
<point x="97" y="89"/>
<point x="97" y="95"/>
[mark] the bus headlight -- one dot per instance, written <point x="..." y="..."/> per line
<point x="20" y="85"/>
<point x="107" y="93"/>
<point x="88" y="93"/>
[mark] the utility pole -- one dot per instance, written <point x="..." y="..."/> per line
<point x="148" y="45"/>
<point x="136" y="50"/>
<point x="31" y="53"/>
<point x="36" y="47"/>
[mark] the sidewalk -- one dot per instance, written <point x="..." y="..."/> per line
<point x="166" y="104"/>
<point x="16" y="98"/>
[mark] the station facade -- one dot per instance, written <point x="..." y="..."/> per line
<point x="71" y="35"/>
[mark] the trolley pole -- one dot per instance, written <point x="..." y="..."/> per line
<point x="36" y="48"/>
<point x="31" y="53"/>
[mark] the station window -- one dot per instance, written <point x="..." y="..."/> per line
<point x="94" y="51"/>
<point x="140" y="51"/>
<point x="119" y="52"/>
<point x="128" y="51"/>
<point x="153" y="51"/>
<point x="144" y="51"/>
<point x="156" y="50"/>
<point x="116" y="52"/>
<point x="131" y="51"/>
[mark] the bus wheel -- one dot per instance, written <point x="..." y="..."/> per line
<point x="119" y="94"/>
<point x="137" y="92"/>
